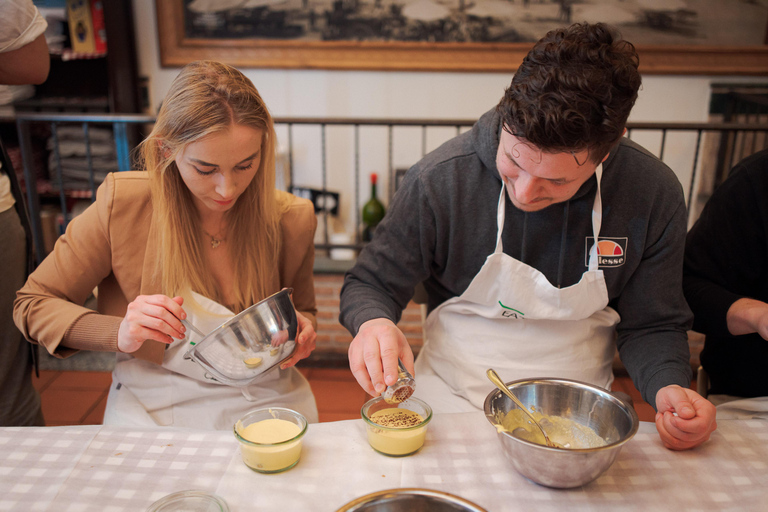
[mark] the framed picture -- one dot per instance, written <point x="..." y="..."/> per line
<point x="672" y="36"/>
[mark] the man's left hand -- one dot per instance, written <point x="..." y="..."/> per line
<point x="685" y="419"/>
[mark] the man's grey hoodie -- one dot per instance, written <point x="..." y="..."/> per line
<point x="441" y="227"/>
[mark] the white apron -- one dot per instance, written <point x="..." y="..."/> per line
<point x="513" y="320"/>
<point x="178" y="393"/>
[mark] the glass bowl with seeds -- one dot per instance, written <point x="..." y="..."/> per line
<point x="396" y="429"/>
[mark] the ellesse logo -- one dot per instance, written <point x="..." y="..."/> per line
<point x="611" y="252"/>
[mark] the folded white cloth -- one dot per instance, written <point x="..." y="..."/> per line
<point x="12" y="93"/>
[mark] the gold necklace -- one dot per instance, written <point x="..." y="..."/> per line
<point x="215" y="241"/>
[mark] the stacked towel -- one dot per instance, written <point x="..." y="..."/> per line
<point x="75" y="172"/>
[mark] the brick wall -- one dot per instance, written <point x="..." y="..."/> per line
<point x="332" y="337"/>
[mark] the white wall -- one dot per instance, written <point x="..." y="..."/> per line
<point x="365" y="94"/>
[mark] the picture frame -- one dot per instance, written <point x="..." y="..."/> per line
<point x="176" y="50"/>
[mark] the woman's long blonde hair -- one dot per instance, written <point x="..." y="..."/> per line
<point x="209" y="97"/>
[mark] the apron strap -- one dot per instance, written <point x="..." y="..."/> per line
<point x="500" y="212"/>
<point x="597" y="219"/>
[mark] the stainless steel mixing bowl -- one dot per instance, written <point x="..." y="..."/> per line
<point x="250" y="343"/>
<point x="410" y="500"/>
<point x="609" y="416"/>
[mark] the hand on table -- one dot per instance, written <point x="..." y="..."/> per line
<point x="695" y="420"/>
<point x="151" y="317"/>
<point x="374" y="352"/>
<point x="305" y="341"/>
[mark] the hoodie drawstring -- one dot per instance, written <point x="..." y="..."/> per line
<point x="563" y="234"/>
<point x="525" y="232"/>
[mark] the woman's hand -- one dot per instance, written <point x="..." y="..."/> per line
<point x="305" y="341"/>
<point x="151" y="317"/>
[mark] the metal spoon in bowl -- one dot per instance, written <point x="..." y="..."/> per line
<point x="186" y="323"/>
<point x="494" y="377"/>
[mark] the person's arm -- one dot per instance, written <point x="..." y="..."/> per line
<point x="51" y="302"/>
<point x="726" y="259"/>
<point x="29" y="64"/>
<point x="652" y="334"/>
<point x="24" y="57"/>
<point x="657" y="355"/>
<point x="296" y="265"/>
<point x="297" y="257"/>
<point x="379" y="286"/>
<point x="387" y="271"/>
<point x="49" y="308"/>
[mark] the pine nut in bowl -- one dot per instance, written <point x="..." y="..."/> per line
<point x="270" y="438"/>
<point x="578" y="460"/>
<point x="396" y="429"/>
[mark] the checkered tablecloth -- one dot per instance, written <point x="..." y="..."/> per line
<point x="112" y="469"/>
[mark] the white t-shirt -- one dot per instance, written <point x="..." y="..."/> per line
<point x="6" y="197"/>
<point x="20" y="24"/>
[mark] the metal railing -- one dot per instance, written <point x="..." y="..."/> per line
<point x="686" y="152"/>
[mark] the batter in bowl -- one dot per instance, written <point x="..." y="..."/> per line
<point x="564" y="432"/>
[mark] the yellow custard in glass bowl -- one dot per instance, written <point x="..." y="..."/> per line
<point x="270" y="438"/>
<point x="396" y="429"/>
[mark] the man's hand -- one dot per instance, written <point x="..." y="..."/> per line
<point x="374" y="352"/>
<point x="693" y="423"/>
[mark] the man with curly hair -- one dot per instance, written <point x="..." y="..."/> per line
<point x="544" y="240"/>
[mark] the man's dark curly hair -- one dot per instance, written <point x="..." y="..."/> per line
<point x="573" y="91"/>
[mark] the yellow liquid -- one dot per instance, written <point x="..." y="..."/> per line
<point x="391" y="440"/>
<point x="270" y="458"/>
<point x="563" y="431"/>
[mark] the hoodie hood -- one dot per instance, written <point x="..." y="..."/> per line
<point x="485" y="139"/>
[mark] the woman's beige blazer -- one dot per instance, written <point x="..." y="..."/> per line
<point x="109" y="246"/>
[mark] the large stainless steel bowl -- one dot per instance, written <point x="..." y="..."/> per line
<point x="250" y="343"/>
<point x="410" y="500"/>
<point x="609" y="416"/>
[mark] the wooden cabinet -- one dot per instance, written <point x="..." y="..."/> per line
<point x="94" y="83"/>
<point x="77" y="84"/>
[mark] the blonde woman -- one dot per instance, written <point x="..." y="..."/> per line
<point x="201" y="235"/>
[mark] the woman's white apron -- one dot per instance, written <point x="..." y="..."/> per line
<point x="178" y="393"/>
<point x="513" y="320"/>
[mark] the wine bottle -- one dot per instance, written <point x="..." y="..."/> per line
<point x="373" y="212"/>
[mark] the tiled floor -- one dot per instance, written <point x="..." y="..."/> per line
<point x="79" y="398"/>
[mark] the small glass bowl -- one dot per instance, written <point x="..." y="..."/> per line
<point x="270" y="457"/>
<point x="396" y="441"/>
<point x="189" y="501"/>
